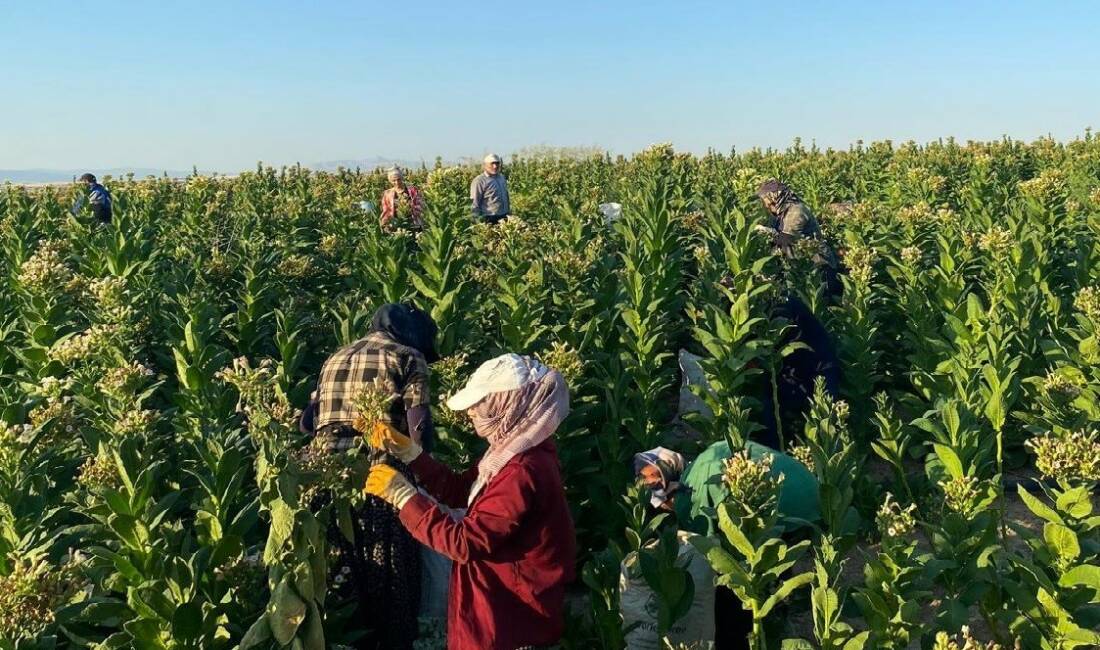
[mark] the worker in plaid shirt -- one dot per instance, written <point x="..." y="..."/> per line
<point x="395" y="354"/>
<point x="381" y="566"/>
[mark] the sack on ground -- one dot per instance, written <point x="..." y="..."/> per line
<point x="638" y="603"/>
<point x="692" y="375"/>
<point x="611" y="212"/>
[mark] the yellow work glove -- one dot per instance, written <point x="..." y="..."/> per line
<point x="403" y="448"/>
<point x="388" y="484"/>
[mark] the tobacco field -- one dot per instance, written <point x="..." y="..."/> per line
<point x="154" y="484"/>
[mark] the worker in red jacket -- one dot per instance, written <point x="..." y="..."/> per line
<point x="513" y="550"/>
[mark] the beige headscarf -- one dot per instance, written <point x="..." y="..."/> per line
<point x="516" y="420"/>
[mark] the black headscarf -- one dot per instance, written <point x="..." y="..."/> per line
<point x="408" y="326"/>
<point x="779" y="194"/>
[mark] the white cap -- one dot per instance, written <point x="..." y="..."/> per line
<point x="491" y="158"/>
<point x="504" y="373"/>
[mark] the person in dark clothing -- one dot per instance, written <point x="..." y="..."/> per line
<point x="98" y="199"/>
<point x="380" y="568"/>
<point x="799" y="369"/>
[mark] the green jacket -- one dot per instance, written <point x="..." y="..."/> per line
<point x="695" y="510"/>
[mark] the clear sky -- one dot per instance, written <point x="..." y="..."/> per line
<point x="224" y="84"/>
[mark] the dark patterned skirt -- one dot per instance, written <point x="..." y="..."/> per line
<point x="378" y="573"/>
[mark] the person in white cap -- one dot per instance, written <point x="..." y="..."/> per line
<point x="513" y="551"/>
<point x="489" y="192"/>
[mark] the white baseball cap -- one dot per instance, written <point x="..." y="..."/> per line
<point x="491" y="158"/>
<point x="506" y="372"/>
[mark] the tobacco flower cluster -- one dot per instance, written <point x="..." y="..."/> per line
<point x="135" y="422"/>
<point x="751" y="484"/>
<point x="1048" y="187"/>
<point x="841" y="410"/>
<point x="1073" y="457"/>
<point x="30" y="594"/>
<point x="860" y="261"/>
<point x="329" y="244"/>
<point x="57" y="406"/>
<point x="326" y="470"/>
<point x="802" y="454"/>
<point x="45" y="271"/>
<point x="98" y="473"/>
<point x="921" y="176"/>
<point x="966" y="642"/>
<point x="945" y="216"/>
<point x="566" y="360"/>
<point x="911" y="255"/>
<point x="259" y="398"/>
<point x="895" y="522"/>
<point x="449" y="369"/>
<point x="1088" y="302"/>
<point x="915" y="215"/>
<point x="996" y="241"/>
<point x="971" y="239"/>
<point x="372" y="403"/>
<point x="121" y="382"/>
<point x="857" y="214"/>
<point x="84" y="345"/>
<point x="295" y="266"/>
<point x="110" y="298"/>
<point x="571" y="265"/>
<point x="1061" y="387"/>
<point x="960" y="494"/>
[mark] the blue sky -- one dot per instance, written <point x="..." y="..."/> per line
<point x="224" y="84"/>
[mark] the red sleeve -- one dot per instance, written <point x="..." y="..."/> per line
<point x="451" y="488"/>
<point x="496" y="515"/>
<point x="387" y="207"/>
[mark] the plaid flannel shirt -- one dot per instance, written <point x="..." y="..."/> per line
<point x="401" y="369"/>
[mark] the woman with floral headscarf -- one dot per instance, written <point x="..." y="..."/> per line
<point x="659" y="470"/>
<point x="513" y="550"/>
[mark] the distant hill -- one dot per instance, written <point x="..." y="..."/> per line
<point x="67" y="175"/>
<point x="36" y="176"/>
<point x="367" y="164"/>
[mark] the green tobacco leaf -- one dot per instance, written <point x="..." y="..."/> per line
<point x="784" y="590"/>
<point x="286" y="611"/>
<point x="951" y="462"/>
<point x="1062" y="540"/>
<point x="1083" y="575"/>
<point x="1038" y="508"/>
<point x="734" y="534"/>
<point x="257" y="635"/>
<point x="1075" y="502"/>
<point x="858" y="641"/>
<point x="282" y="527"/>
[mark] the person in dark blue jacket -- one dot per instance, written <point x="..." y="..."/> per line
<point x="98" y="199"/>
<point x="799" y="370"/>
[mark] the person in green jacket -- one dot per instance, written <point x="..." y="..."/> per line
<point x="694" y="492"/>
